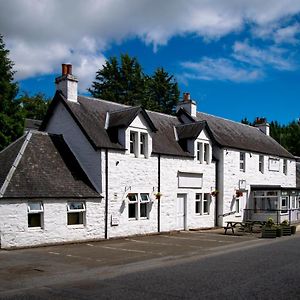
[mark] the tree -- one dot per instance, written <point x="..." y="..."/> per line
<point x="11" y="119"/>
<point x="34" y="107"/>
<point x="163" y="92"/>
<point x="124" y="82"/>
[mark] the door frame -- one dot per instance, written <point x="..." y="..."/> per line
<point x="184" y="195"/>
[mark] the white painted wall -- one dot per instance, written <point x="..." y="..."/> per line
<point x="14" y="229"/>
<point x="61" y="122"/>
<point x="232" y="174"/>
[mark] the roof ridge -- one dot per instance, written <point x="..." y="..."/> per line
<point x="222" y="118"/>
<point x="102" y="100"/>
<point x="15" y="164"/>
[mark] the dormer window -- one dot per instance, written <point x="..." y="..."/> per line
<point x="203" y="152"/>
<point x="138" y="143"/>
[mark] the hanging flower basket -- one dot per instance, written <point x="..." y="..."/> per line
<point x="238" y="194"/>
<point x="158" y="195"/>
<point x="214" y="193"/>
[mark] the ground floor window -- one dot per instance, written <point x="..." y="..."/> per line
<point x="202" y="203"/>
<point x="138" y="206"/>
<point x="265" y="200"/>
<point x="76" y="213"/>
<point x="35" y="214"/>
<point x="284" y="204"/>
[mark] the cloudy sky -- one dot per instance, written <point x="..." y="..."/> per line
<point x="237" y="58"/>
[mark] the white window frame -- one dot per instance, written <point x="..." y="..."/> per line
<point x="199" y="152"/>
<point x="137" y="144"/>
<point x="261" y="164"/>
<point x="200" y="200"/>
<point x="285" y="167"/>
<point x="138" y="202"/>
<point x="206" y="153"/>
<point x="35" y="212"/>
<point x="284" y="208"/>
<point x="82" y="211"/>
<point x="242" y="161"/>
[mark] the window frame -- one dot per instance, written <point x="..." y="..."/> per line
<point x="202" y="202"/>
<point x="39" y="212"/>
<point x="138" y="203"/>
<point x="261" y="163"/>
<point x="285" y="167"/>
<point x="242" y="162"/>
<point x="80" y="211"/>
<point x="198" y="203"/>
<point x="206" y="152"/>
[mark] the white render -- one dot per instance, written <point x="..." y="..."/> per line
<point x="16" y="233"/>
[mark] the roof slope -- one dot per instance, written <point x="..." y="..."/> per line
<point x="49" y="169"/>
<point x="8" y="156"/>
<point x="191" y="130"/>
<point x="240" y="136"/>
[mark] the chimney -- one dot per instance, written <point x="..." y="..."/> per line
<point x="188" y="104"/>
<point x="67" y="83"/>
<point x="263" y="125"/>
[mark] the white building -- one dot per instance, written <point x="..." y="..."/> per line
<point x="102" y="170"/>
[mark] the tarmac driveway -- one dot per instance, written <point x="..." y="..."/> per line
<point x="27" y="268"/>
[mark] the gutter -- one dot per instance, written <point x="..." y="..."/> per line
<point x="217" y="195"/>
<point x="158" y="190"/>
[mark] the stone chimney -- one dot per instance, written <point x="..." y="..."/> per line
<point x="67" y="83"/>
<point x="263" y="125"/>
<point x="188" y="104"/>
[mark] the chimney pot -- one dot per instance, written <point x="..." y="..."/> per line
<point x="186" y="97"/>
<point x="64" y="69"/>
<point x="69" y="69"/>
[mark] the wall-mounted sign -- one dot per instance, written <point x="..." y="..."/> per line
<point x="242" y="184"/>
<point x="115" y="221"/>
<point x="190" y="180"/>
<point x="274" y="164"/>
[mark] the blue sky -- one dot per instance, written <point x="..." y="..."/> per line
<point x="237" y="58"/>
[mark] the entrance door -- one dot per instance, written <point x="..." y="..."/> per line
<point x="180" y="211"/>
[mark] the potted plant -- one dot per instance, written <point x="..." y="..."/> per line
<point x="293" y="229"/>
<point x="269" y="230"/>
<point x="158" y="195"/>
<point x="286" y="228"/>
<point x="238" y="194"/>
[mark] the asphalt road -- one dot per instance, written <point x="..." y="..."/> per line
<point x="253" y="269"/>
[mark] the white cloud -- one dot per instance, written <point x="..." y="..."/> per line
<point x="41" y="33"/>
<point x="219" y="69"/>
<point x="272" y="56"/>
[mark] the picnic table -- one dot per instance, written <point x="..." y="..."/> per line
<point x="247" y="225"/>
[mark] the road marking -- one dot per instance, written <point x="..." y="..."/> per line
<point x="177" y="237"/>
<point x="162" y="244"/>
<point x="123" y="249"/>
<point x="90" y="245"/>
<point x="55" y="253"/>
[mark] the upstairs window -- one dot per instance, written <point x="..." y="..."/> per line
<point x="242" y="161"/>
<point x="76" y="213"/>
<point x="199" y="152"/>
<point x="138" y="144"/>
<point x="285" y="166"/>
<point x="35" y="214"/>
<point x="206" y="153"/>
<point x="261" y="164"/>
<point x="203" y="152"/>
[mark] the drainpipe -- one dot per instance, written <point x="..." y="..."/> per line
<point x="217" y="195"/>
<point x="158" y="190"/>
<point x="106" y="192"/>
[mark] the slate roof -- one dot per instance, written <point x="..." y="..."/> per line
<point x="240" y="136"/>
<point x="90" y="115"/>
<point x="190" y="131"/>
<point x="31" y="124"/>
<point x="47" y="168"/>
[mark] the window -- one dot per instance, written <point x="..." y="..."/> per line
<point x="138" y="143"/>
<point x="199" y="152"/>
<point x="133" y="139"/>
<point x="144" y="206"/>
<point x="143" y="144"/>
<point x="132" y="206"/>
<point x="202" y="202"/>
<point x="35" y="214"/>
<point x="198" y="204"/>
<point x="242" y="161"/>
<point x="265" y="200"/>
<point x="206" y="204"/>
<point x="284" y="204"/>
<point x="285" y="166"/>
<point x="261" y="163"/>
<point x="76" y="213"/>
<point x="138" y="206"/>
<point x="237" y="205"/>
<point x="206" y="153"/>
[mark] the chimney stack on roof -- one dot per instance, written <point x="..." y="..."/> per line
<point x="187" y="104"/>
<point x="263" y="125"/>
<point x="67" y="84"/>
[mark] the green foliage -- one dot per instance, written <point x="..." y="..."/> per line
<point x="34" y="107"/>
<point x="287" y="136"/>
<point x="11" y="120"/>
<point x="124" y="82"/>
